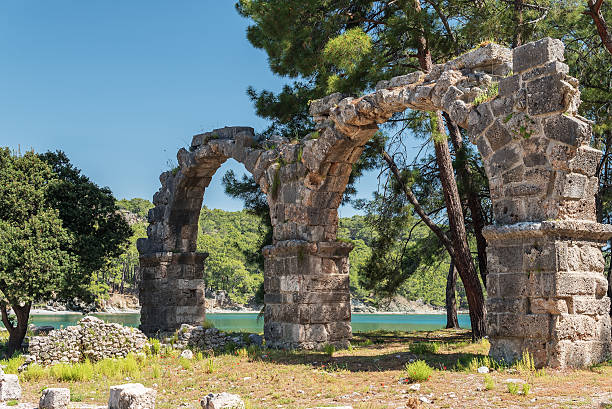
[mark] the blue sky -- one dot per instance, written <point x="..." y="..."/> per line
<point x="120" y="86"/>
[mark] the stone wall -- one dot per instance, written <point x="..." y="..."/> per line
<point x="91" y="339"/>
<point x="541" y="171"/>
<point x="198" y="337"/>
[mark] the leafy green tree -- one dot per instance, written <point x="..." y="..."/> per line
<point x="138" y="206"/>
<point x="91" y="215"/>
<point x="34" y="262"/>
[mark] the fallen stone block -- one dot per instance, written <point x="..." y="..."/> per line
<point x="54" y="398"/>
<point x="131" y="396"/>
<point x="222" y="401"/>
<point x="9" y="388"/>
<point x="187" y="354"/>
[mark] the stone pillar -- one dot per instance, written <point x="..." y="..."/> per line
<point x="547" y="292"/>
<point x="171" y="291"/>
<point x="307" y="294"/>
<point x="546" y="288"/>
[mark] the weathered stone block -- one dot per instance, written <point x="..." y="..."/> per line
<point x="509" y="211"/>
<point x="9" y="387"/>
<point x="548" y="306"/>
<point x="498" y="135"/>
<point x="540" y="257"/>
<point x="479" y="119"/>
<point x="507" y="349"/>
<point x="501" y="305"/>
<point x="509" y="85"/>
<point x="585" y="161"/>
<point x="505" y="158"/>
<point x="222" y="401"/>
<point x="54" y="398"/>
<point x="590" y="305"/>
<point x="505" y="259"/>
<point x="577" y="354"/>
<point x="554" y="67"/>
<point x="545" y="95"/>
<point x="521" y="325"/>
<point x="131" y="396"/>
<point x="536" y="53"/>
<point x="567" y="129"/>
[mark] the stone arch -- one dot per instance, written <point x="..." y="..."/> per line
<point x="546" y="290"/>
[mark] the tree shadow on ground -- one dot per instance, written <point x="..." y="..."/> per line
<point x="385" y="351"/>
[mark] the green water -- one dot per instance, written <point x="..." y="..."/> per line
<point x="248" y="321"/>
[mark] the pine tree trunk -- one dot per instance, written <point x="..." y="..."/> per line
<point x="464" y="173"/>
<point x="463" y="257"/>
<point x="16" y="333"/>
<point x="451" y="300"/>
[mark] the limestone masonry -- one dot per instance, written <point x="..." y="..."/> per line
<point x="547" y="292"/>
<point x="91" y="339"/>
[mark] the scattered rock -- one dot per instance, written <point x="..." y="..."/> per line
<point x="483" y="369"/>
<point x="415" y="387"/>
<point x="9" y="387"/>
<point x="190" y="336"/>
<point x="54" y="398"/>
<point x="424" y="399"/>
<point x="131" y="396"/>
<point x="222" y="401"/>
<point x="187" y="354"/>
<point x="256" y="339"/>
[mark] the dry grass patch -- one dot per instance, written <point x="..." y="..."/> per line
<point x="366" y="377"/>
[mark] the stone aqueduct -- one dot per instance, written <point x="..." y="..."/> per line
<point x="546" y="288"/>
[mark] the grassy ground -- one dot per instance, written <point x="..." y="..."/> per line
<point x="367" y="376"/>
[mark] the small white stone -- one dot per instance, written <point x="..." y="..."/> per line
<point x="187" y="354"/>
<point x="424" y="399"/>
<point x="483" y="369"/>
<point x="415" y="387"/>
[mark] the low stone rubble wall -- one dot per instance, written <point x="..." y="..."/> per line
<point x="91" y="339"/>
<point x="198" y="337"/>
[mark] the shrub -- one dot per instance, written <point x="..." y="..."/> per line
<point x="13" y="364"/>
<point x="489" y="382"/>
<point x="525" y="364"/>
<point x="113" y="368"/>
<point x="366" y="343"/>
<point x="185" y="363"/>
<point x="157" y="372"/>
<point x="78" y="372"/>
<point x="199" y="356"/>
<point x="420" y="348"/>
<point x="210" y="365"/>
<point x="242" y="353"/>
<point x="12" y="403"/>
<point x="418" y="371"/>
<point x="33" y="372"/>
<point x="329" y="349"/>
<point x="155" y="346"/>
<point x="76" y="396"/>
<point x="513" y="388"/>
<point x="526" y="389"/>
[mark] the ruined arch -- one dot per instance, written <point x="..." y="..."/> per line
<point x="546" y="290"/>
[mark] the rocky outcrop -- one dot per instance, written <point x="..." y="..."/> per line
<point x="91" y="339"/>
